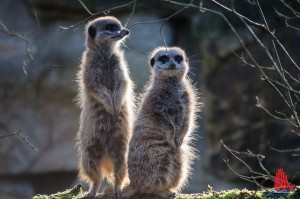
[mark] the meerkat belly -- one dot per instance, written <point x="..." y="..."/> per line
<point x="170" y="109"/>
<point x="104" y="132"/>
<point x="102" y="121"/>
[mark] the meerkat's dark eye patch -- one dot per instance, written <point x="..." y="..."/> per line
<point x="92" y="32"/>
<point x="163" y="59"/>
<point x="152" y="61"/>
<point x="111" y="27"/>
<point x="178" y="59"/>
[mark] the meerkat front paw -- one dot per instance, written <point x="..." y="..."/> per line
<point x="178" y="142"/>
<point x="110" y="109"/>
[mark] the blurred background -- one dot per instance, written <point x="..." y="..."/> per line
<point x="38" y="66"/>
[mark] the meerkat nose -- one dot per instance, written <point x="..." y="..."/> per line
<point x="172" y="66"/>
<point x="126" y="32"/>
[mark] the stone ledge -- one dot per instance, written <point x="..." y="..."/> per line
<point x="76" y="193"/>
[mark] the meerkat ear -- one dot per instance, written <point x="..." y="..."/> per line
<point x="152" y="61"/>
<point x="92" y="32"/>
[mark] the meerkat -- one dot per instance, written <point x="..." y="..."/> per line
<point x="160" y="151"/>
<point x="105" y="90"/>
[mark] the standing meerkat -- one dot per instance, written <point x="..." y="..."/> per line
<point x="160" y="151"/>
<point x="106" y="103"/>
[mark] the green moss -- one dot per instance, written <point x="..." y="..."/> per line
<point x="73" y="193"/>
<point x="76" y="193"/>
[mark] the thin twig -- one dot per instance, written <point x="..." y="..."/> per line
<point x="8" y="135"/>
<point x="290" y="26"/>
<point x="131" y="14"/>
<point x="284" y="150"/>
<point x="24" y="37"/>
<point x="85" y="7"/>
<point x="287" y="85"/>
<point x="296" y="13"/>
<point x="23" y="137"/>
<point x="249" y="154"/>
<point x="268" y="112"/>
<point x="94" y="15"/>
<point x="259" y="158"/>
<point x="164" y="20"/>
<point x="280" y="14"/>
<point x="169" y="17"/>
<point x="251" y="179"/>
<point x="262" y="27"/>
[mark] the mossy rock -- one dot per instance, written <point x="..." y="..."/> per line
<point x="77" y="193"/>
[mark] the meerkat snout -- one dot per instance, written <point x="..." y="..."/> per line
<point x="172" y="66"/>
<point x="124" y="32"/>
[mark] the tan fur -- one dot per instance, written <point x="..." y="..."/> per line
<point x="160" y="151"/>
<point x="105" y="91"/>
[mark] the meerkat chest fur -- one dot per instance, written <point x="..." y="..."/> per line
<point x="170" y="103"/>
<point x="105" y="69"/>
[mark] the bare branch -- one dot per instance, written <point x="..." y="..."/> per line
<point x="280" y="14"/>
<point x="259" y="158"/>
<point x="84" y="6"/>
<point x="284" y="150"/>
<point x="262" y="27"/>
<point x="296" y="13"/>
<point x="132" y="12"/>
<point x="94" y="15"/>
<point x="165" y="20"/>
<point x="233" y="152"/>
<point x="290" y="26"/>
<point x="23" y="137"/>
<point x="24" y="37"/>
<point x="8" y="135"/>
<point x="268" y="112"/>
<point x="252" y="179"/>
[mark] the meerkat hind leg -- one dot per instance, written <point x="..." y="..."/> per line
<point x="90" y="171"/>
<point x="120" y="174"/>
<point x="107" y="170"/>
<point x="93" y="190"/>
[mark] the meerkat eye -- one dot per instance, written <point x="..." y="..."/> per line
<point x="163" y="59"/>
<point x="111" y="27"/>
<point x="178" y="59"/>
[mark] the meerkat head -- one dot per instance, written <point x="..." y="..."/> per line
<point x="105" y="31"/>
<point x="169" y="62"/>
